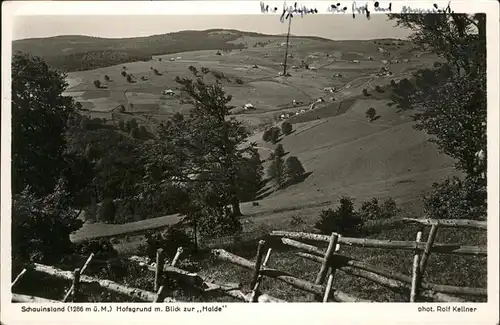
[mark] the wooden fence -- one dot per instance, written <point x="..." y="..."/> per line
<point x="330" y="260"/>
<point x="162" y="272"/>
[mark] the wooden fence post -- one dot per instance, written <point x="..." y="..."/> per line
<point x="259" y="278"/>
<point x="329" y="284"/>
<point x="428" y="248"/>
<point x="159" y="268"/>
<point x="177" y="255"/>
<point x="258" y="262"/>
<point x="72" y="288"/>
<point x="331" y="277"/>
<point x="76" y="284"/>
<point x="159" y="294"/>
<point x="416" y="271"/>
<point x="18" y="277"/>
<point x="332" y="246"/>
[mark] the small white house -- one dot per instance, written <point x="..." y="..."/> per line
<point x="355" y="61"/>
<point x="178" y="58"/>
<point x="313" y="68"/>
<point x="168" y="92"/>
<point x="248" y="107"/>
<point x="385" y="62"/>
<point x="172" y="59"/>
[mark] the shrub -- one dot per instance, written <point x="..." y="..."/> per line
<point x="275" y="134"/>
<point x="205" y="70"/>
<point x="239" y="81"/>
<point x="379" y="89"/>
<point x="41" y="226"/>
<point x="129" y="78"/>
<point x="279" y="151"/>
<point x="107" y="211"/>
<point x="276" y="171"/>
<point x="131" y="124"/>
<point x="121" y="125"/>
<point x="97" y="83"/>
<point x="296" y="221"/>
<point x="107" y="78"/>
<point x="135" y="133"/>
<point x="457" y="199"/>
<point x="124" y="73"/>
<point x="343" y="220"/>
<point x="365" y="92"/>
<point x="286" y="128"/>
<point x="78" y="105"/>
<point x="173" y="238"/>
<point x="102" y="248"/>
<point x="372" y="210"/>
<point x="218" y="221"/>
<point x="121" y="109"/>
<point x="193" y="70"/>
<point x="294" y="169"/>
<point x="218" y="75"/>
<point x="371" y="113"/>
<point x="266" y="136"/>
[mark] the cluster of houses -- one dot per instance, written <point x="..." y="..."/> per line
<point x="330" y="89"/>
<point x="285" y="116"/>
<point x="384" y="61"/>
<point x="384" y="72"/>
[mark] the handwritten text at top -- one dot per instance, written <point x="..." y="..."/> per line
<point x="362" y="8"/>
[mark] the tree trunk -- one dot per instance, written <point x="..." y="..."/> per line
<point x="236" y="207"/>
<point x="195" y="235"/>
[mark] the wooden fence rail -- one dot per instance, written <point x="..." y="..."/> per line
<point x="454" y="223"/>
<point x="134" y="293"/>
<point x="387" y="244"/>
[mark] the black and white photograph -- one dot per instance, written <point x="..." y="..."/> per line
<point x="249" y="158"/>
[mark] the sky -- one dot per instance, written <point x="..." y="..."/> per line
<point x="334" y="27"/>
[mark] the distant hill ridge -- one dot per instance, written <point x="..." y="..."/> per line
<point x="78" y="52"/>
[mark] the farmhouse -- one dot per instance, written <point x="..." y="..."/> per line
<point x="168" y="92"/>
<point x="248" y="107"/>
